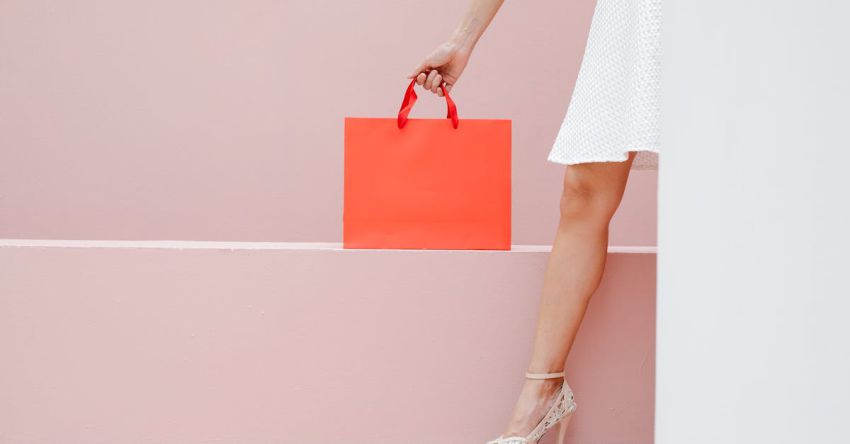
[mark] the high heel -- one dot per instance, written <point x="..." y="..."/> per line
<point x="561" y="411"/>
<point x="562" y="429"/>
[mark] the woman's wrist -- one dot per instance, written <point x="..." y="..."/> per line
<point x="465" y="37"/>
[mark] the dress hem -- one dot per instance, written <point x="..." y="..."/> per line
<point x="553" y="159"/>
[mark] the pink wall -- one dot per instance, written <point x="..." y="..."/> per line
<point x="223" y="120"/>
<point x="199" y="120"/>
<point x="221" y="345"/>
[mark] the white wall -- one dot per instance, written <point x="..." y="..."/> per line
<point x="754" y="224"/>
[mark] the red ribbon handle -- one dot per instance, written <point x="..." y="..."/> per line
<point x="410" y="98"/>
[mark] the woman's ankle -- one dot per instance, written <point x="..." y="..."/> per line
<point x="545" y="368"/>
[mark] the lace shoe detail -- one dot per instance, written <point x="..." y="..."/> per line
<point x="509" y="440"/>
<point x="564" y="406"/>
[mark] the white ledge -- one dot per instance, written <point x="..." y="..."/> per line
<point x="223" y="245"/>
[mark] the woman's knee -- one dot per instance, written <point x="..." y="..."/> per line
<point x="589" y="194"/>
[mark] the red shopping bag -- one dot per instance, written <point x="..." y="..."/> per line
<point x="427" y="183"/>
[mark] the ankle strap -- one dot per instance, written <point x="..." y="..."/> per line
<point x="544" y="375"/>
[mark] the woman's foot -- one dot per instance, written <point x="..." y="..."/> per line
<point x="535" y="399"/>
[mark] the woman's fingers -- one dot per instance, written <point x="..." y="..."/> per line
<point x="415" y="73"/>
<point x="429" y="82"/>
<point x="421" y="68"/>
<point x="447" y="87"/>
<point x="435" y="85"/>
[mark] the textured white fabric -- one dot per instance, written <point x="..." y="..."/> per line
<point x="615" y="104"/>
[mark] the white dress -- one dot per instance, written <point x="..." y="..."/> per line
<point x="615" y="104"/>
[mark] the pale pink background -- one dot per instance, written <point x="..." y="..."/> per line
<point x="199" y="120"/>
<point x="223" y="120"/>
<point x="170" y="346"/>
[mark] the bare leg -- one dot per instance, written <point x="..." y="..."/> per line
<point x="592" y="192"/>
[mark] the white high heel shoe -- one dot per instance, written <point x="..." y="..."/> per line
<point x="562" y="410"/>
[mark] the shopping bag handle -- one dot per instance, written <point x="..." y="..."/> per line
<point x="410" y="98"/>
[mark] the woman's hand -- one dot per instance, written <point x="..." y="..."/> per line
<point x="444" y="64"/>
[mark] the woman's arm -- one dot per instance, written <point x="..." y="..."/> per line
<point x="447" y="62"/>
